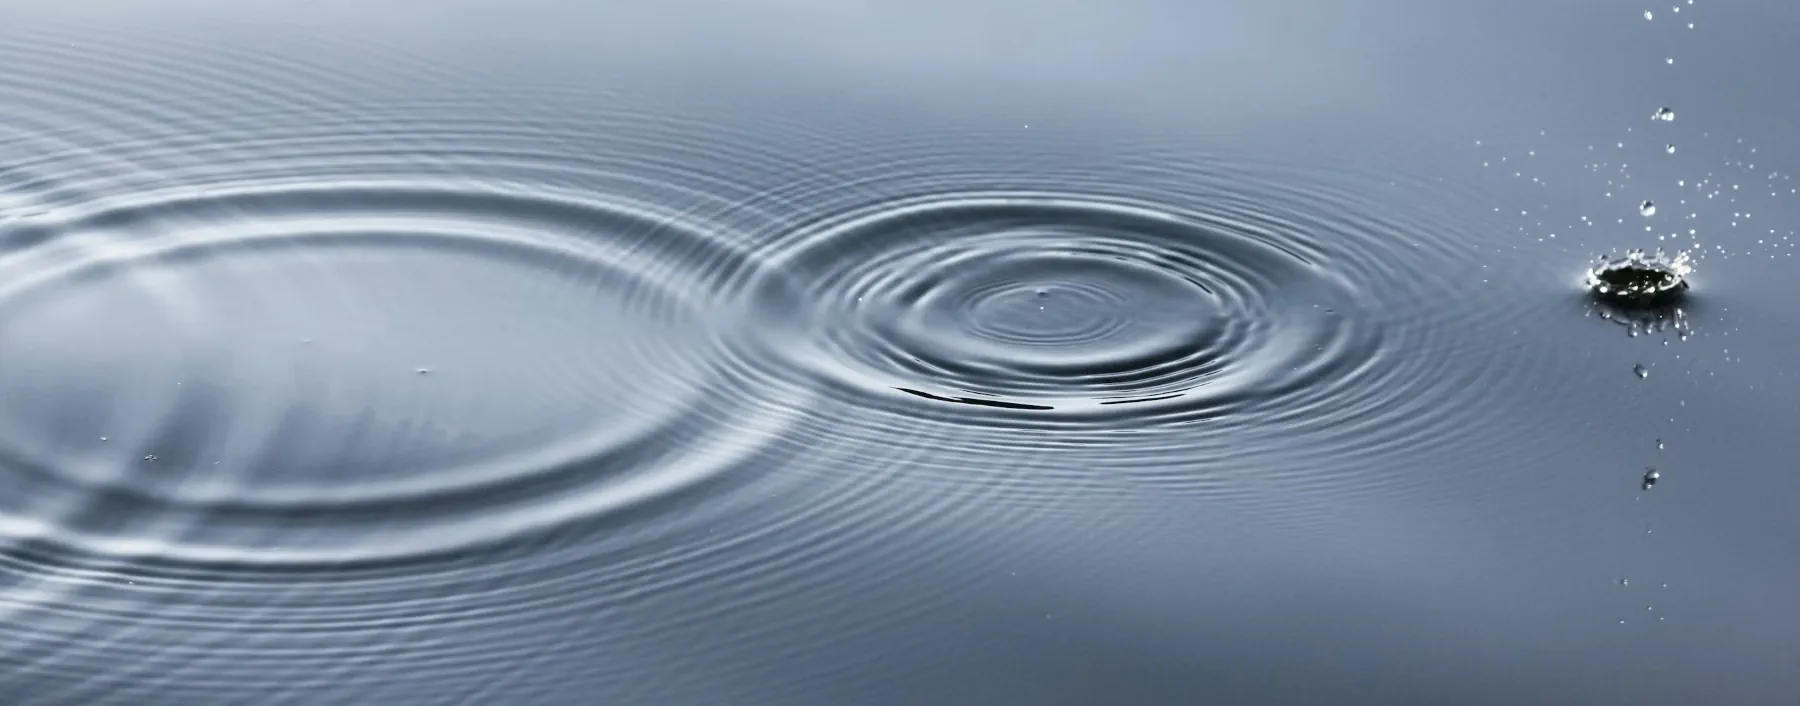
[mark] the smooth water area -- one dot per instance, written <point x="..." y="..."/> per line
<point x="796" y="352"/>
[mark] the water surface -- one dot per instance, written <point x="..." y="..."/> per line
<point x="796" y="353"/>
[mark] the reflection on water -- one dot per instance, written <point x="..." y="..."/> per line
<point x="364" y="357"/>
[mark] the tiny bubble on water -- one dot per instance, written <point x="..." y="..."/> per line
<point x="422" y="371"/>
<point x="1641" y="371"/>
<point x="1043" y="292"/>
<point x="1647" y="208"/>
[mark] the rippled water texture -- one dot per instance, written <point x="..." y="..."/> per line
<point x="273" y="364"/>
<point x="336" y="373"/>
<point x="440" y="361"/>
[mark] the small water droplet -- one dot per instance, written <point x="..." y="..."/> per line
<point x="1651" y="476"/>
<point x="150" y="457"/>
<point x="422" y="371"/>
<point x="103" y="438"/>
<point x="1641" y="371"/>
<point x="1624" y="582"/>
<point x="1043" y="292"/>
<point x="1664" y="114"/>
<point x="1647" y="208"/>
<point x="1670" y="149"/>
<point x="1648" y="15"/>
<point x="1659" y="444"/>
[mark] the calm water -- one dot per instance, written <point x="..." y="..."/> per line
<point x="796" y="352"/>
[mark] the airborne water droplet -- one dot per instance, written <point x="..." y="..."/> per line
<point x="1647" y="208"/>
<point x="1670" y="149"/>
<point x="1664" y="114"/>
<point x="1642" y="372"/>
<point x="1650" y="477"/>
<point x="1648" y="15"/>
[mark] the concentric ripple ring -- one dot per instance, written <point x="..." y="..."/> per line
<point x="191" y="383"/>
<point x="1062" y="304"/>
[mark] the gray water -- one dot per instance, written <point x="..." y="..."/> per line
<point x="795" y="352"/>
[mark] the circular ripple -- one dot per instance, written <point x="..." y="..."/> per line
<point x="1062" y="304"/>
<point x="359" y="371"/>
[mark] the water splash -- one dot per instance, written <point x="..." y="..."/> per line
<point x="1640" y="277"/>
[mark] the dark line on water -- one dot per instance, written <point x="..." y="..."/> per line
<point x="975" y="401"/>
<point x="1137" y="400"/>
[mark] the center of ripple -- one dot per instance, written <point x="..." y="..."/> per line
<point x="1052" y="306"/>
